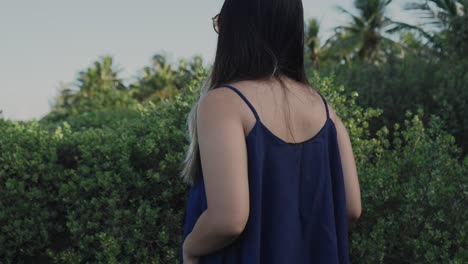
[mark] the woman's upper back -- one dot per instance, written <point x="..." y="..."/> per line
<point x="296" y="190"/>
<point x="293" y="116"/>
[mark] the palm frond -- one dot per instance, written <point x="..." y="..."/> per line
<point x="416" y="6"/>
<point x="349" y="29"/>
<point x="401" y="26"/>
<point x="357" y="20"/>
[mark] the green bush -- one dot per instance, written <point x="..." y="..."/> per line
<point x="110" y="194"/>
<point x="29" y="180"/>
<point x="96" y="119"/>
<point x="438" y="85"/>
<point x="122" y="197"/>
<point x="414" y="198"/>
<point x="106" y="193"/>
<point x="413" y="187"/>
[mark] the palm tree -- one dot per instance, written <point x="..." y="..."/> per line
<point x="447" y="17"/>
<point x="65" y="99"/>
<point x="318" y="53"/>
<point x="367" y="35"/>
<point x="100" y="77"/>
<point x="97" y="88"/>
<point x="156" y="82"/>
<point x="439" y="13"/>
<point x="313" y="41"/>
<point x="458" y="33"/>
<point x="162" y="80"/>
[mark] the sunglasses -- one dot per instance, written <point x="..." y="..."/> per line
<point x="215" y="23"/>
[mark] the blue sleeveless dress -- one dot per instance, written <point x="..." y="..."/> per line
<point x="297" y="201"/>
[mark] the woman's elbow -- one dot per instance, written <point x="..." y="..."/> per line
<point x="355" y="214"/>
<point x="236" y="225"/>
<point x="235" y="229"/>
<point x="231" y="224"/>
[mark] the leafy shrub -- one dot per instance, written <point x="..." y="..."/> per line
<point x="438" y="85"/>
<point x="124" y="201"/>
<point x="29" y="180"/>
<point x="413" y="194"/>
<point x="413" y="187"/>
<point x="110" y="194"/>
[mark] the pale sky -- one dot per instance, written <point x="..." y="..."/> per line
<point x="45" y="43"/>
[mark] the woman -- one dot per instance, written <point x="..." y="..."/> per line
<point x="273" y="176"/>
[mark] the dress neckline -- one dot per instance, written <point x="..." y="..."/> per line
<point x="259" y="124"/>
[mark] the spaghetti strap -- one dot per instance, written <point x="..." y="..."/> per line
<point x="326" y="105"/>
<point x="245" y="100"/>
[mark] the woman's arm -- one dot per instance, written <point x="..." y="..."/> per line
<point x="351" y="181"/>
<point x="209" y="235"/>
<point x="223" y="154"/>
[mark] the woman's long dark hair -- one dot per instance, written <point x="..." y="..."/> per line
<point x="258" y="40"/>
